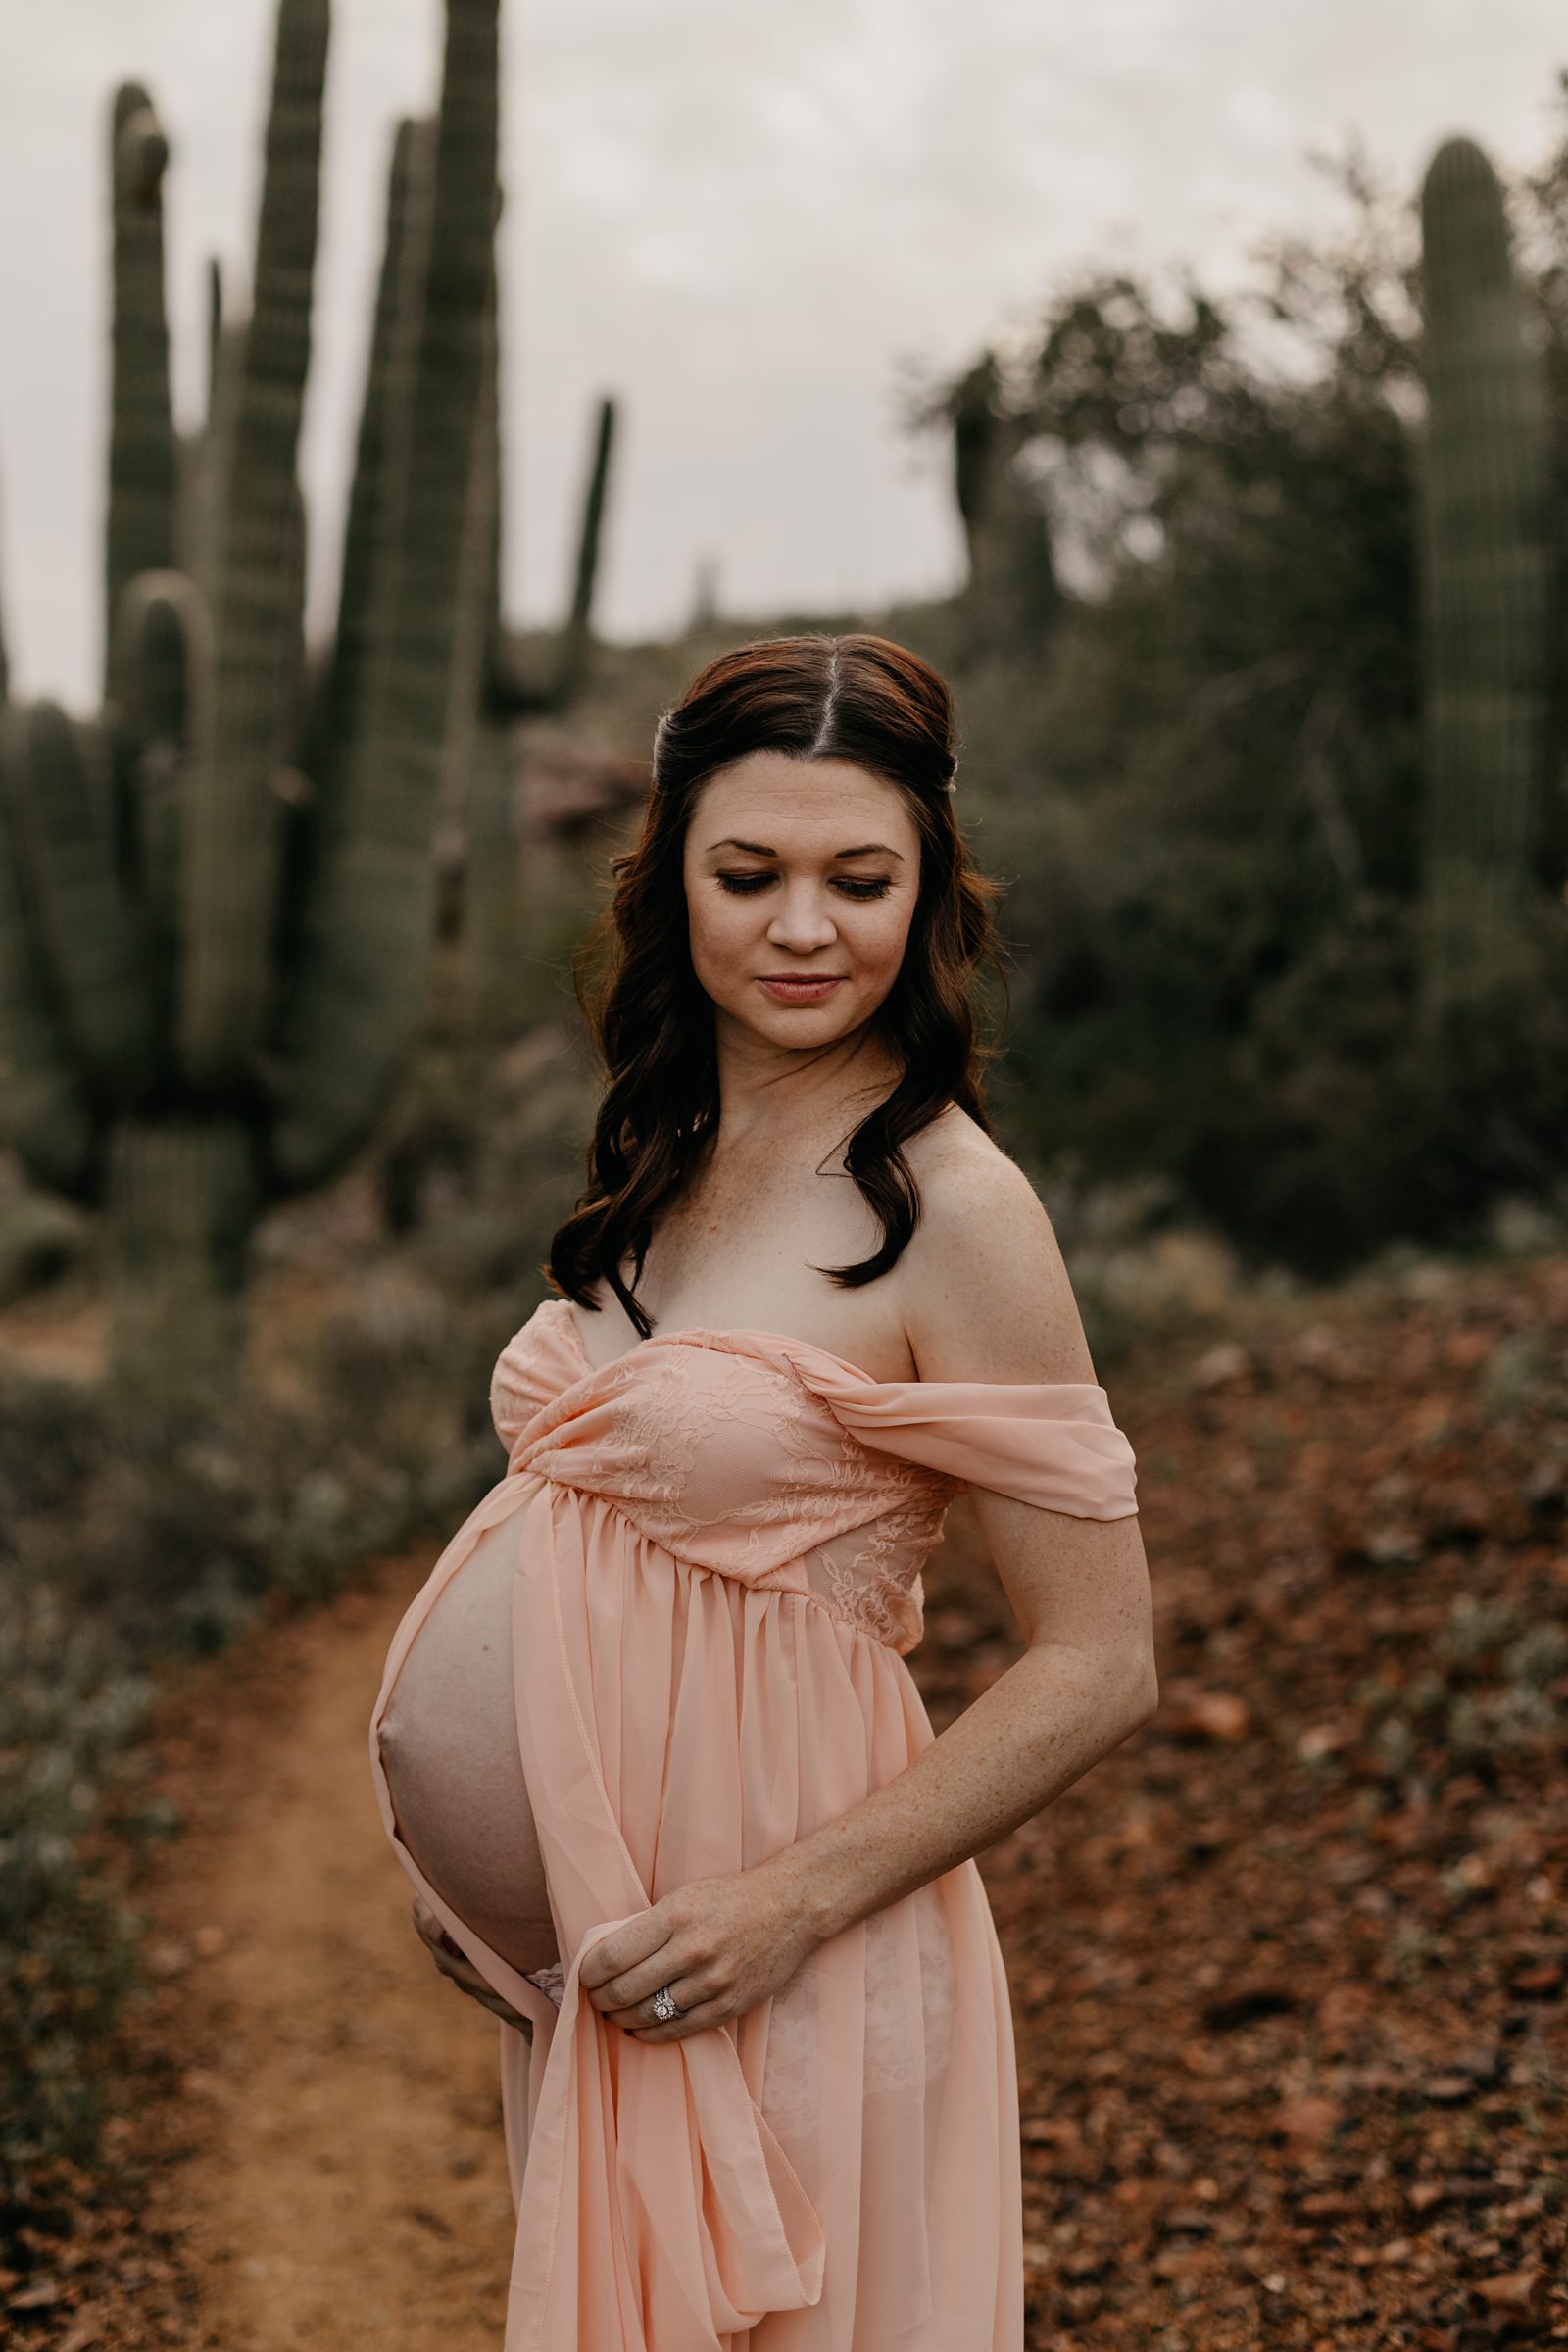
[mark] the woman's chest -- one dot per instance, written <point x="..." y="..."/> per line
<point x="761" y="1259"/>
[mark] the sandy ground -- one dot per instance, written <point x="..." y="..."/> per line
<point x="343" y="2177"/>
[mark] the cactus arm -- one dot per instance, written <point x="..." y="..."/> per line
<point x="1485" y="574"/>
<point x="380" y="454"/>
<point x="365" y="952"/>
<point x="577" y="641"/>
<point x="45" y="1116"/>
<point x="234" y="839"/>
<point x="162" y="668"/>
<point x="509" y="692"/>
<point x="215" y="328"/>
<point x="140" y="520"/>
<point x="476" y="593"/>
<point x="57" y="786"/>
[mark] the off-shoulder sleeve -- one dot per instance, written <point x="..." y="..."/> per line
<point x="1049" y="1442"/>
<point x="536" y="1363"/>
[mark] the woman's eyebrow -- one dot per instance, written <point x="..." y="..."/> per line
<point x="758" y="848"/>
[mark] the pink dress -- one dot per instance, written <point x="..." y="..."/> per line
<point x="712" y="1551"/>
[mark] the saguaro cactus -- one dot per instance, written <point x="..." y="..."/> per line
<point x="1484" y="569"/>
<point x="1013" y="593"/>
<point x="215" y="902"/>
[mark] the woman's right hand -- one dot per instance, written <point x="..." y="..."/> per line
<point x="455" y="1966"/>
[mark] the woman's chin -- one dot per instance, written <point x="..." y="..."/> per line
<point x="777" y="1024"/>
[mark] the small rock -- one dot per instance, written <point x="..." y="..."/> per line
<point x="1218" y="1366"/>
<point x="1510" y="2290"/>
<point x="1540" y="1980"/>
<point x="1181" y="2262"/>
<point x="1344" y="2007"/>
<point x="1245" y="2002"/>
<point x="1448" y="2090"/>
<point x="1207" y="1715"/>
<point x="1393" y="1546"/>
<point x="1188" y="2220"/>
<point x="1543" y="1489"/>
<point x="1460" y="1513"/>
<point x="1309" y="2122"/>
<point x="39" y="2296"/>
<point x="1322" y="1739"/>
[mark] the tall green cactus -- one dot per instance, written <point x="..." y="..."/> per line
<point x="215" y="902"/>
<point x="1485" y="570"/>
<point x="234" y="828"/>
<point x="140" y="523"/>
<point x="356" y="999"/>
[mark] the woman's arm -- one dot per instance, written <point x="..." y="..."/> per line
<point x="988" y="1298"/>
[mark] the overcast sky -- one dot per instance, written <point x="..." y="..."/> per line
<point x="739" y="214"/>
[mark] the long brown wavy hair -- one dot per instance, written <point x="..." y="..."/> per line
<point x="857" y="698"/>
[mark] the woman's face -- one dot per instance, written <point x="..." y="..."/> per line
<point x="801" y="877"/>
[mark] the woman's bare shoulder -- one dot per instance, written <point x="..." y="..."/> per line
<point x="985" y="1290"/>
<point x="961" y="1169"/>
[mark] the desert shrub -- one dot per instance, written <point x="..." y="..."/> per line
<point x="69" y="1707"/>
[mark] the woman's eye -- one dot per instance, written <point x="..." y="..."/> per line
<point x="853" y="887"/>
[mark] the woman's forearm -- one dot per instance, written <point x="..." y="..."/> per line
<point x="1038" y="1729"/>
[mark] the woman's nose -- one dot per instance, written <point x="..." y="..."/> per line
<point x="801" y="921"/>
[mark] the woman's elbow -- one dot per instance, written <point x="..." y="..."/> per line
<point x="1139" y="1690"/>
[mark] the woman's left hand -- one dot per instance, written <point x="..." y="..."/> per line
<point x="722" y="1946"/>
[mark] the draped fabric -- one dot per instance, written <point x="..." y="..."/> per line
<point x="714" y="1546"/>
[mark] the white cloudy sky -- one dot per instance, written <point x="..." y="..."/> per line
<point x="742" y="215"/>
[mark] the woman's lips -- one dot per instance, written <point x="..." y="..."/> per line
<point x="799" y="992"/>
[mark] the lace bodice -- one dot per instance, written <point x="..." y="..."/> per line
<point x="772" y="1460"/>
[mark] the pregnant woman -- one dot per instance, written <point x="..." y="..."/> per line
<point x="645" y="1743"/>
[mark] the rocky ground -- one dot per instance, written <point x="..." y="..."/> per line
<point x="1289" y="1969"/>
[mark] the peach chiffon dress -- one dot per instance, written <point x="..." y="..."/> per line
<point x="713" y="1547"/>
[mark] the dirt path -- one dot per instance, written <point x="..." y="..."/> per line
<point x="343" y="2174"/>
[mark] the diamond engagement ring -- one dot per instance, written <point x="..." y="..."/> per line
<point x="665" y="2008"/>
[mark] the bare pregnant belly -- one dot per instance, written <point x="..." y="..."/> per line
<point x="448" y="1748"/>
